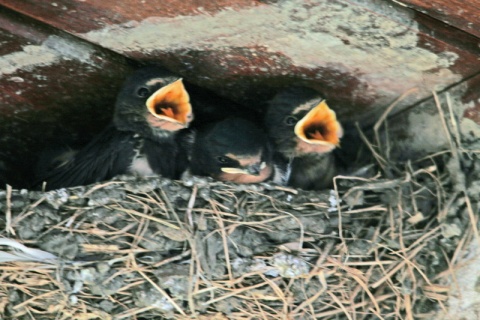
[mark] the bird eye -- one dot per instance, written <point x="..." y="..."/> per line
<point x="290" y="120"/>
<point x="222" y="159"/>
<point x="143" y="92"/>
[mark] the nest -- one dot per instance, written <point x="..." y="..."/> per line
<point x="198" y="249"/>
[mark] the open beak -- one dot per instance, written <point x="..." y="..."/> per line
<point x="234" y="170"/>
<point x="171" y="103"/>
<point x="254" y="169"/>
<point x="320" y="127"/>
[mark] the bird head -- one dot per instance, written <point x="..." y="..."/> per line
<point x="232" y="150"/>
<point x="153" y="102"/>
<point x="299" y="122"/>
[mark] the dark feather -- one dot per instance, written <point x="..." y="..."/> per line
<point x="101" y="159"/>
<point x="169" y="156"/>
<point x="313" y="172"/>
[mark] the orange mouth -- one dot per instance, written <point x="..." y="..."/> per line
<point x="171" y="103"/>
<point x="320" y="127"/>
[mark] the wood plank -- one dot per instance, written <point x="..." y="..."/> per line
<point x="461" y="14"/>
<point x="360" y="54"/>
<point x="86" y="15"/>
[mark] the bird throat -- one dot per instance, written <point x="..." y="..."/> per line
<point x="315" y="134"/>
<point x="166" y="110"/>
<point x="159" y="124"/>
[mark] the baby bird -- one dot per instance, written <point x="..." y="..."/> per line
<point x="145" y="136"/>
<point x="233" y="150"/>
<point x="304" y="131"/>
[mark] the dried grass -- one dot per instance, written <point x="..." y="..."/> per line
<point x="130" y="249"/>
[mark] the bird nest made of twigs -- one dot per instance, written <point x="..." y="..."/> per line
<point x="152" y="248"/>
<point x="149" y="248"/>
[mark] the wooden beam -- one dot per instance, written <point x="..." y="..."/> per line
<point x="464" y="15"/>
<point x="360" y="55"/>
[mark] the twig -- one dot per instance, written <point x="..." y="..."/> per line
<point x="149" y="217"/>
<point x="453" y="121"/>
<point x="8" y="212"/>
<point x="380" y="160"/>
<point x="453" y="147"/>
<point x="225" y="243"/>
<point x="340" y="304"/>
<point x="471" y="215"/>
<point x="190" y="205"/>
<point x="389" y="109"/>
<point x="153" y="283"/>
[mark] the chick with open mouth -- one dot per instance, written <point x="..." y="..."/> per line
<point x="145" y="137"/>
<point x="304" y="131"/>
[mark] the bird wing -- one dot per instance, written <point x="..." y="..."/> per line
<point x="107" y="155"/>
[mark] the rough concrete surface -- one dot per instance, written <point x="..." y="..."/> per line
<point x="464" y="297"/>
<point x="420" y="131"/>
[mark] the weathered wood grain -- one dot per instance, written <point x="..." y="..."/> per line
<point x="360" y="54"/>
<point x="461" y="14"/>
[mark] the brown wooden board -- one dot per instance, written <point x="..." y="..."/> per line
<point x="461" y="14"/>
<point x="360" y="55"/>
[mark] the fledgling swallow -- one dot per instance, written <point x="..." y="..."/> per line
<point x="145" y="137"/>
<point x="233" y="150"/>
<point x="304" y="131"/>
